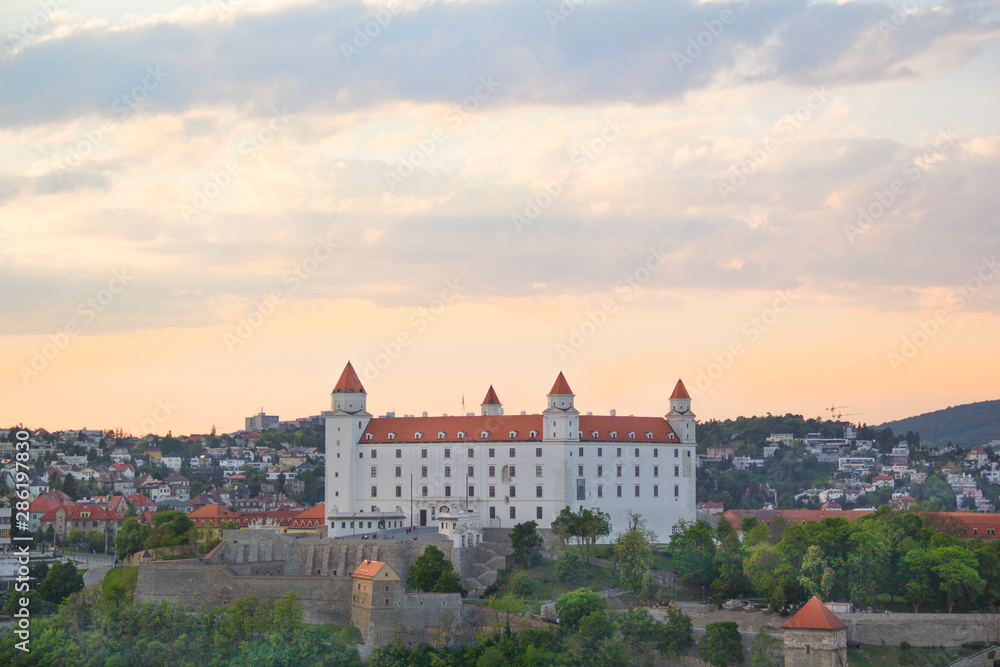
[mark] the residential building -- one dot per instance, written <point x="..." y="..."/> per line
<point x="261" y="422"/>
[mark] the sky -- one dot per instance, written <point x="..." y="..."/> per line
<point x="209" y="208"/>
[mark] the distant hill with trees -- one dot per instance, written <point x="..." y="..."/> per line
<point x="965" y="425"/>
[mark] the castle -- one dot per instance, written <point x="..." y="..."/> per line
<point x="494" y="470"/>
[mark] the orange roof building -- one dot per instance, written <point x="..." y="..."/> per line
<point x="504" y="467"/>
<point x="815" y="636"/>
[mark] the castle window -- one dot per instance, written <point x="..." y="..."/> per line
<point x="493" y="492"/>
<point x="471" y="471"/>
<point x="600" y="491"/>
<point x="631" y="436"/>
<point x="399" y="492"/>
<point x="492" y="452"/>
<point x="493" y="512"/>
<point x="374" y="471"/>
<point x="511" y="452"/>
<point x="677" y="491"/>
<point x="513" y="434"/>
<point x="538" y="471"/>
<point x="418" y="435"/>
<point x="656" y="491"/>
<point x="399" y="471"/>
<point x="423" y="471"/>
<point x="619" y="471"/>
<point x="511" y="471"/>
<point x="447" y="452"/>
<point x="579" y="471"/>
<point x="493" y="471"/>
<point x="440" y="435"/>
<point x="619" y="450"/>
<point x="600" y="451"/>
<point x="637" y="471"/>
<point x="511" y="494"/>
<point x="636" y="490"/>
<point x="677" y="471"/>
<point x="461" y="435"/>
<point x="399" y="453"/>
<point x="423" y="492"/>
<point x="533" y="434"/>
<point x="579" y="451"/>
<point x="649" y="436"/>
<point x="513" y="512"/>
<point x="447" y="471"/>
<point x="368" y="436"/>
<point x="676" y="453"/>
<point x="423" y="453"/>
<point x="656" y="471"/>
<point x="484" y="434"/>
<point x="392" y="436"/>
<point x="614" y="434"/>
<point x="656" y="452"/>
<point x="374" y="454"/>
<point x="538" y="492"/>
<point x="472" y="452"/>
<point x="600" y="471"/>
<point x="472" y="491"/>
<point x="447" y="492"/>
<point x="619" y="490"/>
<point x="374" y="491"/>
<point x="593" y="434"/>
<point x="636" y="452"/>
<point x="538" y="513"/>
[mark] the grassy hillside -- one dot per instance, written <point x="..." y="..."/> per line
<point x="966" y="425"/>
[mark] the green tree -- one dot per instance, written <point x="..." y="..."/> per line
<point x="573" y="606"/>
<point x="522" y="585"/>
<point x="769" y="574"/>
<point x="721" y="644"/>
<point x="956" y="569"/>
<point x="431" y="572"/>
<point x="567" y="566"/>
<point x="693" y="552"/>
<point x="633" y="554"/>
<point x="676" y="635"/>
<point x="918" y="568"/>
<point x="816" y="576"/>
<point x="731" y="581"/>
<point x="764" y="649"/>
<point x="526" y="544"/>
<point x="62" y="580"/>
<point x="638" y="629"/>
<point x="131" y="538"/>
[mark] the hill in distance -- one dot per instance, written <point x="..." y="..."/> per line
<point x="966" y="425"/>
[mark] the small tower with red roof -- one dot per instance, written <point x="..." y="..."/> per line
<point x="491" y="404"/>
<point x="561" y="420"/>
<point x="815" y="637"/>
<point x="680" y="416"/>
<point x="345" y="424"/>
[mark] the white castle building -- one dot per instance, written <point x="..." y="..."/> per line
<point x="391" y="472"/>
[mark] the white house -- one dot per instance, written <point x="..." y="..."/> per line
<point x="508" y="468"/>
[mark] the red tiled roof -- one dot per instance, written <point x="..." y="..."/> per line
<point x="75" y="512"/>
<point x="680" y="391"/>
<point x="560" y="386"/>
<point x="43" y="505"/>
<point x="314" y="512"/>
<point x="491" y="397"/>
<point x="735" y="517"/>
<point x="368" y="569"/>
<point x="815" y="615"/>
<point x="139" y="500"/>
<point x="498" y="428"/>
<point x="212" y="512"/>
<point x="349" y="381"/>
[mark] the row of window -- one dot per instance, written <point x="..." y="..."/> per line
<point x="509" y="471"/>
<point x="512" y="452"/>
<point x="581" y="491"/>
<point x="418" y="435"/>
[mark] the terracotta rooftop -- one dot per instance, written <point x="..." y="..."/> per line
<point x="491" y="397"/>
<point x="314" y="512"/>
<point x="349" y="381"/>
<point x="815" y="615"/>
<point x="368" y="569"/>
<point x="498" y="429"/>
<point x="680" y="391"/>
<point x="212" y="512"/>
<point x="561" y="386"/>
<point x="77" y="512"/>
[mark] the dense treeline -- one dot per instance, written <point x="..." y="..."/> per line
<point x="109" y="629"/>
<point x="967" y="425"/>
<point x="836" y="559"/>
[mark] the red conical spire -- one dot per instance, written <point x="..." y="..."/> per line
<point x="561" y="386"/>
<point x="491" y="397"/>
<point x="815" y="615"/>
<point x="349" y="381"/>
<point x="680" y="391"/>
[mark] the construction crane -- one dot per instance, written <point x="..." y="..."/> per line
<point x="837" y="411"/>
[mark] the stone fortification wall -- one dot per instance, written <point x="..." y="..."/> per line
<point x="312" y="556"/>
<point x="922" y="629"/>
<point x="192" y="583"/>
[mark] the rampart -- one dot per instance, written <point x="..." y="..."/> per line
<point x="922" y="629"/>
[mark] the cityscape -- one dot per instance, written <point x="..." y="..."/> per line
<point x="476" y="333"/>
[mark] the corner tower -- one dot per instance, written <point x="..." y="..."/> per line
<point x="345" y="424"/>
<point x="680" y="417"/>
<point x="561" y="420"/>
<point x="491" y="405"/>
